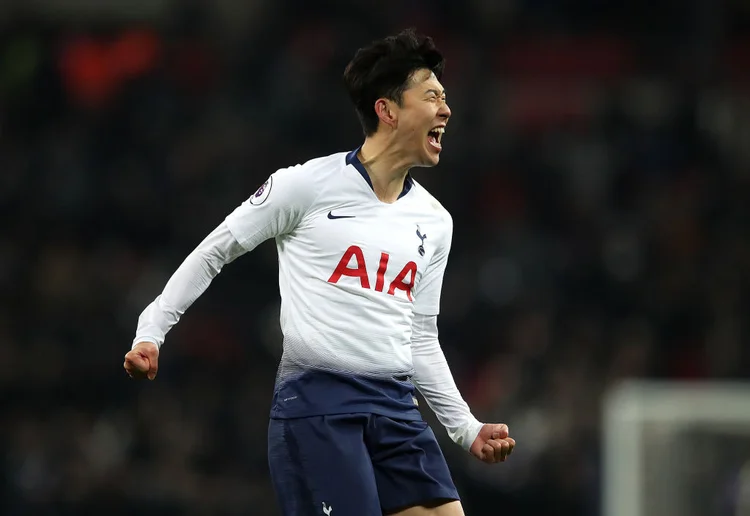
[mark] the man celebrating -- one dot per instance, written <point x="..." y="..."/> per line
<point x="362" y="253"/>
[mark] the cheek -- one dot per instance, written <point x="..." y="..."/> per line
<point x="413" y="131"/>
<point x="419" y="137"/>
<point x="414" y="123"/>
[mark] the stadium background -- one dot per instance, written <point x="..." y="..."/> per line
<point x="596" y="165"/>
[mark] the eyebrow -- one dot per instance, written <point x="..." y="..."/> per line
<point x="436" y="92"/>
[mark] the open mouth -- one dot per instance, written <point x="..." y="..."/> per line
<point x="435" y="137"/>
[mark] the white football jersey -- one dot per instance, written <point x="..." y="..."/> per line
<point x="353" y="270"/>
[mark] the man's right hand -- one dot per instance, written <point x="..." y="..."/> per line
<point x="142" y="361"/>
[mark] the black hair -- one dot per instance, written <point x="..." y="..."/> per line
<point x="383" y="70"/>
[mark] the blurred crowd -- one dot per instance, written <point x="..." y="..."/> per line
<point x="597" y="167"/>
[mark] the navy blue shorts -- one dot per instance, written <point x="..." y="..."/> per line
<point x="363" y="464"/>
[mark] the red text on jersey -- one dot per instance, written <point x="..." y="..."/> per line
<point x="404" y="280"/>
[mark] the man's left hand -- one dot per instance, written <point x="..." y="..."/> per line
<point x="493" y="444"/>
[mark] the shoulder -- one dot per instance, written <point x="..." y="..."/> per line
<point x="304" y="182"/>
<point x="432" y="206"/>
<point x="315" y="169"/>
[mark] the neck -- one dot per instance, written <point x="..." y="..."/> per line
<point x="386" y="165"/>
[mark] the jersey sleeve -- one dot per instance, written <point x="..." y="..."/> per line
<point x="187" y="284"/>
<point x="427" y="294"/>
<point x="276" y="208"/>
<point x="434" y="379"/>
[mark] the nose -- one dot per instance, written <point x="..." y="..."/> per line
<point x="444" y="111"/>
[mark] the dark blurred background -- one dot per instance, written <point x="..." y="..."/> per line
<point x="597" y="167"/>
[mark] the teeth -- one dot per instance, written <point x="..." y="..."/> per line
<point x="440" y="131"/>
<point x="437" y="133"/>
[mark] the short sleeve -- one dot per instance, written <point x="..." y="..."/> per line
<point x="276" y="208"/>
<point x="428" y="291"/>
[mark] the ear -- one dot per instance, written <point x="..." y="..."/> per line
<point x="386" y="111"/>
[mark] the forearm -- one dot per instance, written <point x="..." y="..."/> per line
<point x="188" y="282"/>
<point x="434" y="380"/>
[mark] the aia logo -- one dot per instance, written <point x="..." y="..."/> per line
<point x="404" y="280"/>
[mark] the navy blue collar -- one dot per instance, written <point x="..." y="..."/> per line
<point x="353" y="159"/>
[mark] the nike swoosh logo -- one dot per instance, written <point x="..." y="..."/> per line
<point x="333" y="217"/>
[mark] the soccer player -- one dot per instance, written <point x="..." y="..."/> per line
<point x="362" y="252"/>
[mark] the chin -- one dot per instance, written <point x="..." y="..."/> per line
<point x="430" y="158"/>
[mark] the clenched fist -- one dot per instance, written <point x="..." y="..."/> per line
<point x="493" y="444"/>
<point x="142" y="361"/>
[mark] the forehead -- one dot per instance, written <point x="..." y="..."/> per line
<point x="423" y="80"/>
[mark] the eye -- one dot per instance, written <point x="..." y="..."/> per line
<point x="435" y="96"/>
